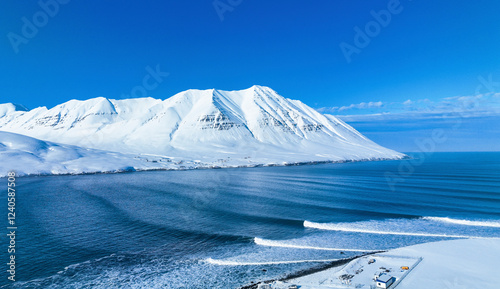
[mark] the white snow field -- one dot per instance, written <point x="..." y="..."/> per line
<point x="250" y="127"/>
<point x="455" y="264"/>
<point x="30" y="156"/>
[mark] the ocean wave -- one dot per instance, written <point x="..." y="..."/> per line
<point x="346" y="228"/>
<point x="273" y="243"/>
<point x="238" y="263"/>
<point x="492" y="224"/>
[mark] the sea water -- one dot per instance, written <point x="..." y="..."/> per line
<point x="224" y="228"/>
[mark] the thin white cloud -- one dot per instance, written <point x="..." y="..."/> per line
<point x="449" y="107"/>
<point x="362" y="105"/>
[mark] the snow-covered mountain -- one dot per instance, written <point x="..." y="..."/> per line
<point x="254" y="125"/>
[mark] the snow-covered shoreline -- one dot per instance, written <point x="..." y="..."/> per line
<point x="450" y="264"/>
<point x="28" y="156"/>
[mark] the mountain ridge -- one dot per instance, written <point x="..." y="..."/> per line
<point x="206" y="124"/>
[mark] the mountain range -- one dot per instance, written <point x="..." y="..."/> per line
<point x="205" y="128"/>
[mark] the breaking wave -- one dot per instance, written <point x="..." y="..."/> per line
<point x="237" y="263"/>
<point x="346" y="228"/>
<point x="273" y="243"/>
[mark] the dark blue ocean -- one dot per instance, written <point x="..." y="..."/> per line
<point x="223" y="228"/>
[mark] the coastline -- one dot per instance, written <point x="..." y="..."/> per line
<point x="203" y="167"/>
<point x="310" y="271"/>
<point x="458" y="263"/>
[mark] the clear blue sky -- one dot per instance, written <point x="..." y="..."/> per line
<point x="428" y="50"/>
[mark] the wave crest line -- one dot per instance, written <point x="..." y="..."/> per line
<point x="332" y="227"/>
<point x="273" y="243"/>
<point x="236" y="263"/>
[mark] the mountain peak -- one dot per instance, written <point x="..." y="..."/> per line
<point x="261" y="87"/>
<point x="7" y="108"/>
<point x="201" y="123"/>
<point x="14" y="106"/>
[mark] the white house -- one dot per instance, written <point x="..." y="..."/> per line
<point x="384" y="281"/>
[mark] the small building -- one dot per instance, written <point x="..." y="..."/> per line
<point x="384" y="281"/>
<point x="377" y="274"/>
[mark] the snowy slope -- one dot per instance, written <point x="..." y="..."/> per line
<point x="28" y="156"/>
<point x="207" y="125"/>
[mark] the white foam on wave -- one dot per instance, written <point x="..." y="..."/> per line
<point x="336" y="227"/>
<point x="273" y="243"/>
<point x="237" y="263"/>
<point x="464" y="222"/>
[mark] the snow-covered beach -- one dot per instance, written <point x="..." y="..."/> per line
<point x="454" y="264"/>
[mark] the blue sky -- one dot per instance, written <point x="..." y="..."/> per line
<point x="427" y="51"/>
